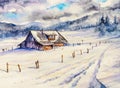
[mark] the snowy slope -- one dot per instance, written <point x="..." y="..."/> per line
<point x="89" y="70"/>
<point x="88" y="20"/>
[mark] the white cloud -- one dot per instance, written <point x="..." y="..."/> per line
<point x="108" y="3"/>
<point x="38" y="11"/>
<point x="53" y="2"/>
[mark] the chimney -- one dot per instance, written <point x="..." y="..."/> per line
<point x="42" y="31"/>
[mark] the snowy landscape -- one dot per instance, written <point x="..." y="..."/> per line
<point x="99" y="68"/>
<point x="59" y="43"/>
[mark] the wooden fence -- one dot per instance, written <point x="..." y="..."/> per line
<point x="80" y="51"/>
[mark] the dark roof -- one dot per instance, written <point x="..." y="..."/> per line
<point x="42" y="37"/>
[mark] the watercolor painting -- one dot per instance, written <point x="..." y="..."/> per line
<point x="59" y="43"/>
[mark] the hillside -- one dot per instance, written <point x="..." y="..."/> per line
<point x="86" y="70"/>
<point x="90" y="21"/>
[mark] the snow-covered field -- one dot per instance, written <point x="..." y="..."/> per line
<point x="100" y="68"/>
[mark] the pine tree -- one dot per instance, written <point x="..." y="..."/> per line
<point x="115" y="23"/>
<point x="106" y="27"/>
<point x="115" y="20"/>
<point x="102" y="20"/>
<point x="107" y="21"/>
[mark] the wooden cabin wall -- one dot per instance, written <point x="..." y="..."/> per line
<point x="59" y="44"/>
<point x="31" y="43"/>
<point x="47" y="47"/>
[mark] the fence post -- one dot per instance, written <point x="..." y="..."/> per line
<point x="61" y="58"/>
<point x="12" y="48"/>
<point x="7" y="67"/>
<point x="3" y="50"/>
<point x="96" y="45"/>
<point x="99" y="42"/>
<point x="73" y="44"/>
<point x="82" y="41"/>
<point x="90" y="43"/>
<point x="92" y="47"/>
<point x="73" y="54"/>
<point x="81" y="52"/>
<point x="87" y="50"/>
<point x="37" y="64"/>
<point x="19" y="68"/>
<point x="105" y="42"/>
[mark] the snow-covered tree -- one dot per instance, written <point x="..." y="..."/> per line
<point x="104" y="25"/>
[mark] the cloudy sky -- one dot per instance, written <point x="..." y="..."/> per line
<point x="25" y="11"/>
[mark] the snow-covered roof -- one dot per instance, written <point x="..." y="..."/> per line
<point x="41" y="38"/>
<point x="52" y="33"/>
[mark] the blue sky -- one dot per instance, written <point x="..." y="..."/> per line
<point x="103" y="1"/>
<point x="11" y="15"/>
<point x="22" y="13"/>
<point x="60" y="6"/>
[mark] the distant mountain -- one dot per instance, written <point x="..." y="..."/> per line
<point x="86" y="22"/>
<point x="115" y="7"/>
<point x="7" y="26"/>
<point x="77" y="24"/>
<point x="68" y="25"/>
<point x="4" y="2"/>
<point x="12" y="30"/>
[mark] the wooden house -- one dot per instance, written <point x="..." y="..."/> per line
<point x="43" y="40"/>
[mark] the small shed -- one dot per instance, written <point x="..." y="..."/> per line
<point x="43" y="40"/>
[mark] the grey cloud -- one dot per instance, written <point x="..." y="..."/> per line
<point x="47" y="15"/>
<point x="21" y="2"/>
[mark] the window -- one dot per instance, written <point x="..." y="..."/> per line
<point x="51" y="37"/>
